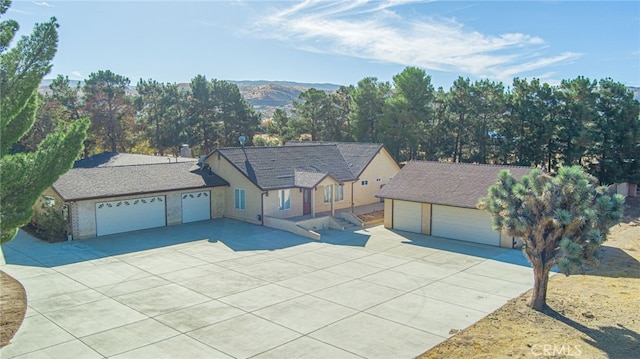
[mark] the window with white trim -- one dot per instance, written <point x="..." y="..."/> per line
<point x="239" y="198"/>
<point x="284" y="199"/>
<point x="339" y="193"/>
<point x="365" y="182"/>
<point x="378" y="179"/>
<point x="327" y="194"/>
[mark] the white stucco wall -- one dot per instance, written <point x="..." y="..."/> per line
<point x="271" y="204"/>
<point x="220" y="166"/>
<point x="83" y="213"/>
<point x="382" y="167"/>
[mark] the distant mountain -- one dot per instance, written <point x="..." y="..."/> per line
<point x="306" y="86"/>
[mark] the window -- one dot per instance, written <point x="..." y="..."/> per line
<point x="239" y="199"/>
<point x="378" y="179"/>
<point x="339" y="193"/>
<point x="364" y="182"/>
<point x="284" y="199"/>
<point x="327" y="194"/>
<point x="49" y="202"/>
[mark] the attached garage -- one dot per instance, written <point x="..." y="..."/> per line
<point x="115" y="193"/>
<point x="407" y="216"/>
<point x="130" y="215"/>
<point x="466" y="224"/>
<point x="196" y="206"/>
<point x="439" y="199"/>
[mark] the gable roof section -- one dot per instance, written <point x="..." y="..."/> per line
<point x="305" y="179"/>
<point x="276" y="167"/>
<point x="451" y="184"/>
<point x="358" y="155"/>
<point x="104" y="182"/>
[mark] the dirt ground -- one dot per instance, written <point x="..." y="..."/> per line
<point x="590" y="315"/>
<point x="13" y="305"/>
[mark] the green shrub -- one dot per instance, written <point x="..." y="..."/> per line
<point x="50" y="224"/>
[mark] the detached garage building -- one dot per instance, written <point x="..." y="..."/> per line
<point x="439" y="199"/>
<point x="112" y="196"/>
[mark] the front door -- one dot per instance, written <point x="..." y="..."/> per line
<point x="306" y="201"/>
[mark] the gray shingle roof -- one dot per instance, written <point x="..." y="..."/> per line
<point x="111" y="181"/>
<point x="110" y="159"/>
<point x="452" y="184"/>
<point x="276" y="167"/>
<point x="306" y="179"/>
<point x="358" y="155"/>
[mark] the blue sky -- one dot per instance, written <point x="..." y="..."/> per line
<point x="342" y="42"/>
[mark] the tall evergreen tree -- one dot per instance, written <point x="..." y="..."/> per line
<point x="202" y="119"/>
<point x="615" y="140"/>
<point x="234" y="113"/>
<point x="462" y="106"/>
<point x="111" y="113"/>
<point x="577" y="115"/>
<point x="280" y="126"/>
<point x="489" y="107"/>
<point x="24" y="176"/>
<point x="314" y="111"/>
<point x="562" y="220"/>
<point x="368" y="108"/>
<point x="407" y="113"/>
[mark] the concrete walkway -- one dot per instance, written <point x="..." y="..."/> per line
<point x="228" y="289"/>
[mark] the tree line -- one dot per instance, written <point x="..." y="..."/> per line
<point x="594" y="124"/>
<point x="156" y="118"/>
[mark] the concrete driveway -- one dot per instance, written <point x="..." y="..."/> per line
<point x="228" y="289"/>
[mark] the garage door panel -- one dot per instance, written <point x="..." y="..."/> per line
<point x="130" y="215"/>
<point x="465" y="224"/>
<point x="196" y="206"/>
<point x="407" y="216"/>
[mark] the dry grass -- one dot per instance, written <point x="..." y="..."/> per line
<point x="590" y="315"/>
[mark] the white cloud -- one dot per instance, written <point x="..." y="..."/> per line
<point x="374" y="30"/>
<point x="44" y="4"/>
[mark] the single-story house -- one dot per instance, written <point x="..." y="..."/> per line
<point x="439" y="199"/>
<point x="301" y="178"/>
<point x="113" y="193"/>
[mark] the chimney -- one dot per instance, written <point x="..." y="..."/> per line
<point x="185" y="151"/>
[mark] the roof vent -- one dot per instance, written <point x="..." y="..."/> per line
<point x="185" y="151"/>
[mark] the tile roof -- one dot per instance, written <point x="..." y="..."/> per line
<point x="276" y="167"/>
<point x="110" y="159"/>
<point x="111" y="181"/>
<point x="357" y="154"/>
<point x="453" y="184"/>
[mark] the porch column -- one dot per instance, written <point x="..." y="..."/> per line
<point x="313" y="202"/>
<point x="333" y="210"/>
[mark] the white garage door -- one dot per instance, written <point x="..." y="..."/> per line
<point x="130" y="215"/>
<point x="465" y="224"/>
<point x="407" y="216"/>
<point x="196" y="206"/>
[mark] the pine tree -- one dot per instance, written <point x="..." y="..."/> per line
<point x="562" y="220"/>
<point x="24" y="176"/>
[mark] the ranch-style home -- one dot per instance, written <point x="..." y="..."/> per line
<point x="114" y="193"/>
<point x="439" y="199"/>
